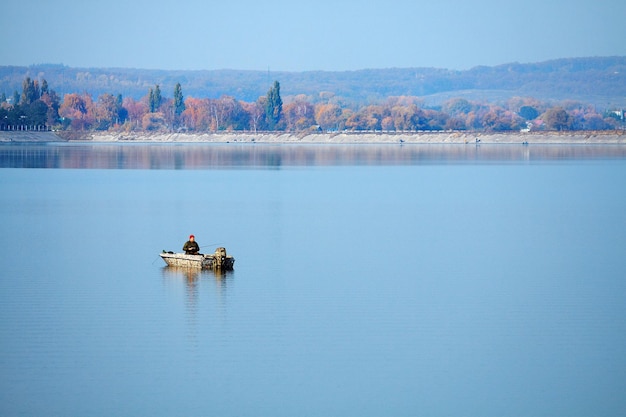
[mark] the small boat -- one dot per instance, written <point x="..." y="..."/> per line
<point x="217" y="260"/>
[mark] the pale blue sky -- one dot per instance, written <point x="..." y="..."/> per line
<point x="306" y="35"/>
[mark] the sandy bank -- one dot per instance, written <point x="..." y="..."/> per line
<point x="346" y="138"/>
<point x="327" y="138"/>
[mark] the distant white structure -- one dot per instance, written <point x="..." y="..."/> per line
<point x="619" y="113"/>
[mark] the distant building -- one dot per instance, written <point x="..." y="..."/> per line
<point x="528" y="127"/>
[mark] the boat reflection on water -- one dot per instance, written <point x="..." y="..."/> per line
<point x="196" y="295"/>
<point x="192" y="275"/>
<point x="196" y="284"/>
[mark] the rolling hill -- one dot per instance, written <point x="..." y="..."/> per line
<point x="600" y="81"/>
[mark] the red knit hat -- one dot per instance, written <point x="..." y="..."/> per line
<point x="191" y="236"/>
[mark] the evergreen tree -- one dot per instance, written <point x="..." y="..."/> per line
<point x="528" y="112"/>
<point x="273" y="106"/>
<point x="154" y="99"/>
<point x="157" y="97"/>
<point x="44" y="87"/>
<point x="36" y="113"/>
<point x="179" y="102"/>
<point x="30" y="91"/>
<point x="53" y="108"/>
<point x="151" y="101"/>
<point x="122" y="112"/>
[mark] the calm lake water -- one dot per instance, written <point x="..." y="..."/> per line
<point x="369" y="280"/>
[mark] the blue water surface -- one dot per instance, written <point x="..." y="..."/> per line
<point x="394" y="281"/>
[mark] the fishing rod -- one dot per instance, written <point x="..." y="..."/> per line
<point x="209" y="245"/>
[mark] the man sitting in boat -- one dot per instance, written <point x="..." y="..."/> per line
<point x="191" y="246"/>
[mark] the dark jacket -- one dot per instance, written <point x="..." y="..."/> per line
<point x="191" y="248"/>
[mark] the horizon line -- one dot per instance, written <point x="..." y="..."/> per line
<point x="62" y="65"/>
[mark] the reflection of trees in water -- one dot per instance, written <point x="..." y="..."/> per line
<point x="189" y="156"/>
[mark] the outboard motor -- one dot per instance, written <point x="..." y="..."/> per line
<point x="220" y="257"/>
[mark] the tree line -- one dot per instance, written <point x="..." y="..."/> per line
<point x="39" y="107"/>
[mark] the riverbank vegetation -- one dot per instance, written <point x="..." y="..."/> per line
<point x="38" y="107"/>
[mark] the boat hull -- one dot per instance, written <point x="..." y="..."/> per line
<point x="211" y="261"/>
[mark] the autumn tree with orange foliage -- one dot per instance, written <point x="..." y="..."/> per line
<point x="197" y="114"/>
<point x="329" y="117"/>
<point x="135" y="110"/>
<point x="299" y="115"/>
<point x="256" y="114"/>
<point x="325" y="112"/>
<point x="79" y="109"/>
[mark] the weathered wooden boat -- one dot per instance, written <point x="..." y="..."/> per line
<point x="218" y="260"/>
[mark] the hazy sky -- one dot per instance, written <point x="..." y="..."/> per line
<point x="300" y="35"/>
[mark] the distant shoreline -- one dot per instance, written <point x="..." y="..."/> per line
<point x="570" y="138"/>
